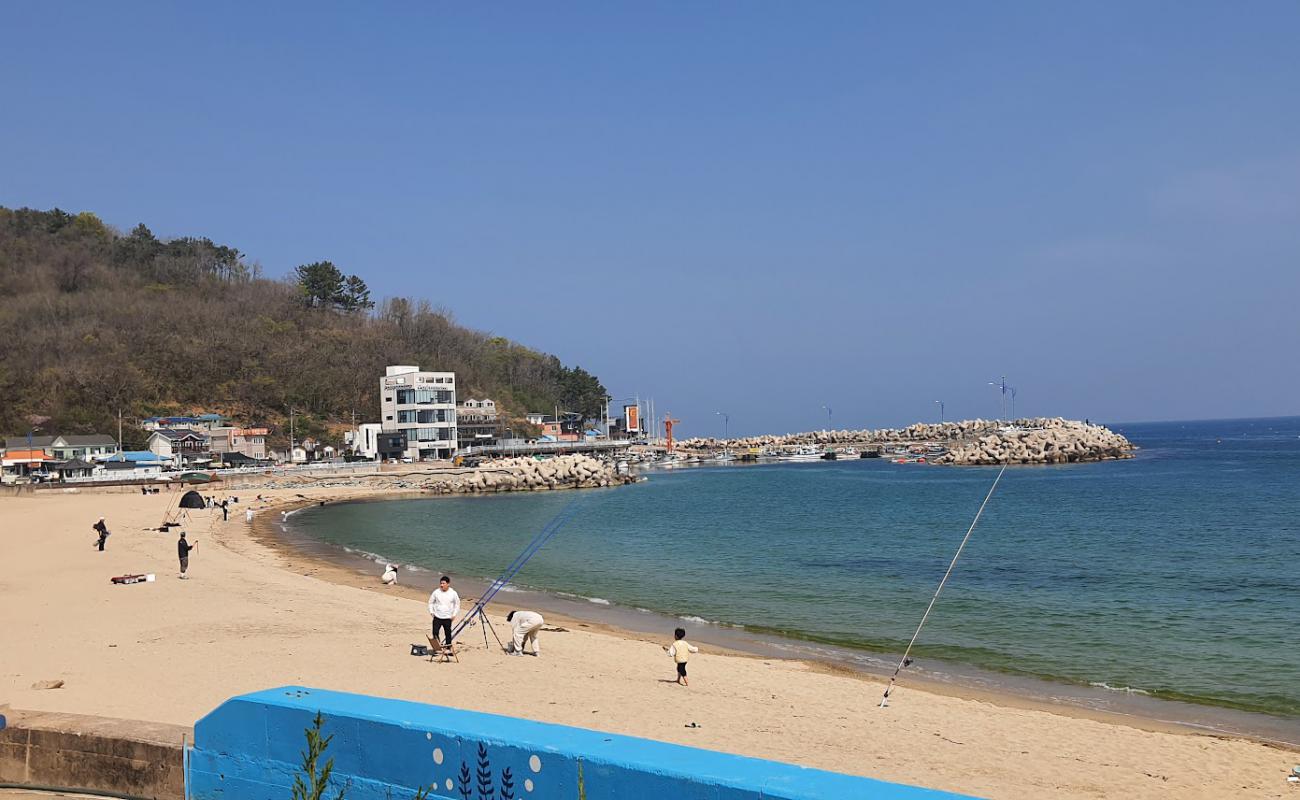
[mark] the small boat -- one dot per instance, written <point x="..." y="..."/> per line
<point x="869" y="454"/>
<point x="803" y="454"/>
<point x="830" y="455"/>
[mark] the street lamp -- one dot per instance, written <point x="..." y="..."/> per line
<point x="830" y="424"/>
<point x="726" y="428"/>
<point x="1012" y="389"/>
<point x="940" y="402"/>
<point x="1002" y="385"/>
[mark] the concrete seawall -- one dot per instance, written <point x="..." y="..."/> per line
<point x="119" y="757"/>
<point x="250" y="748"/>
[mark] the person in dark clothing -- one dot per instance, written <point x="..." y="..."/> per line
<point x="183" y="549"/>
<point x="102" y="530"/>
<point x="225" y="510"/>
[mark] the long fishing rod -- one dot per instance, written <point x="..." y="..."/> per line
<point x="545" y="535"/>
<point x="904" y="661"/>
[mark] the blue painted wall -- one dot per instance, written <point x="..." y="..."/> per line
<point x="249" y="748"/>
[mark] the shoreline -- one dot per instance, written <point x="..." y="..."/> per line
<point x="342" y="565"/>
<point x="254" y="616"/>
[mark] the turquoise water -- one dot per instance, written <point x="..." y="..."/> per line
<point x="1176" y="573"/>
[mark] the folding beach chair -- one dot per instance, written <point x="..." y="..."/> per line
<point x="440" y="651"/>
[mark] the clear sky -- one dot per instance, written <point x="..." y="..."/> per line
<point x="757" y="208"/>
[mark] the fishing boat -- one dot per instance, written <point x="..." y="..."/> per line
<point x="803" y="454"/>
<point x="830" y="455"/>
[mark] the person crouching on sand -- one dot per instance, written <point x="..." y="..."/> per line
<point x="390" y="575"/>
<point x="680" y="651"/>
<point x="525" y="626"/>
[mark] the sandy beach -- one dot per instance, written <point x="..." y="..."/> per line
<point x="253" y="616"/>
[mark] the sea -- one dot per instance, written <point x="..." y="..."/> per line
<point x="1167" y="585"/>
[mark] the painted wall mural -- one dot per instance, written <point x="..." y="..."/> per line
<point x="251" y="747"/>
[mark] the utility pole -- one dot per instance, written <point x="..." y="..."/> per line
<point x="830" y="423"/>
<point x="119" y="430"/>
<point x="940" y="402"/>
<point x="291" y="432"/>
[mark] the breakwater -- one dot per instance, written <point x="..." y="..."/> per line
<point x="506" y="475"/>
<point x="1040" y="440"/>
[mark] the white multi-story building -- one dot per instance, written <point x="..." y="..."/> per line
<point x="421" y="405"/>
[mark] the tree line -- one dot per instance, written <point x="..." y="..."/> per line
<point x="93" y="321"/>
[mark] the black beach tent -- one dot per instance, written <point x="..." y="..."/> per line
<point x="193" y="499"/>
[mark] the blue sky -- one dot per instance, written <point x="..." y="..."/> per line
<point x="759" y="208"/>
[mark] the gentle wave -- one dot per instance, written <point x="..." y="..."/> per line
<point x="1120" y="689"/>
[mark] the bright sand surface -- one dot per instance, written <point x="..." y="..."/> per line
<point x="253" y="616"/>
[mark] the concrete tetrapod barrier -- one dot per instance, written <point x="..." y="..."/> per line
<point x="250" y="748"/>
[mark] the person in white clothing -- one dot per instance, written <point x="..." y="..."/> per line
<point x="444" y="605"/>
<point x="390" y="575"/>
<point x="525" y="625"/>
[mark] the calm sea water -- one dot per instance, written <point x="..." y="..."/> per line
<point x="1176" y="573"/>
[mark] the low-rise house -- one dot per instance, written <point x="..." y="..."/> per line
<point x="477" y="422"/>
<point x="82" y="448"/>
<point x="211" y="422"/>
<point x="250" y="442"/>
<point x="45" y="443"/>
<point x="130" y="470"/>
<point x="18" y="464"/>
<point x="160" y="423"/>
<point x="179" y="445"/>
<point x="65" y="447"/>
<point x="75" y="469"/>
<point x="364" y="441"/>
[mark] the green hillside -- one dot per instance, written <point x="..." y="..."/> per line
<point x="93" y="321"/>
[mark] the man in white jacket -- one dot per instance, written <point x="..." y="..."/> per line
<point x="525" y="625"/>
<point x="444" y="605"/>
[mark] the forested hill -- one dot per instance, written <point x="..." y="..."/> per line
<point x="93" y="321"/>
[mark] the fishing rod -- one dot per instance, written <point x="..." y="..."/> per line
<point x="904" y="661"/>
<point x="545" y="535"/>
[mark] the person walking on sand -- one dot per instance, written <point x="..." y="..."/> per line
<point x="680" y="651"/>
<point x="102" y="530"/>
<point x="225" y="510"/>
<point x="525" y="625"/>
<point x="444" y="605"/>
<point x="183" y="549"/>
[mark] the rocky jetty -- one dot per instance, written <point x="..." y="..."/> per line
<point x="506" y="475"/>
<point x="528" y="475"/>
<point x="1025" y="441"/>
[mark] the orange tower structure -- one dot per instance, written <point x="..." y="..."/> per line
<point x="669" y="422"/>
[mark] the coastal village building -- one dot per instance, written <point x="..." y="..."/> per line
<point x="21" y="464"/>
<point x="83" y="448"/>
<point x="250" y="442"/>
<point x="179" y="445"/>
<point x="477" y="422"/>
<point x="566" y="428"/>
<point x="421" y="406"/>
<point x="64" y="448"/>
<point x="364" y="441"/>
<point x="199" y="422"/>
